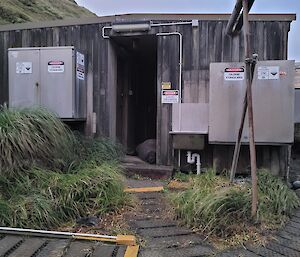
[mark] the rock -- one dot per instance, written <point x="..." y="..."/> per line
<point x="298" y="192"/>
<point x="296" y="184"/>
<point x="88" y="221"/>
<point x="147" y="151"/>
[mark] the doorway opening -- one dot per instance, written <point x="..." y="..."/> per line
<point x="136" y="90"/>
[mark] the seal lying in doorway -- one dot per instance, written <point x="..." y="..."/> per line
<point x="147" y="151"/>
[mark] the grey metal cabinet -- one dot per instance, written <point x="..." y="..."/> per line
<point x="52" y="77"/>
<point x="273" y="102"/>
<point x="24" y="78"/>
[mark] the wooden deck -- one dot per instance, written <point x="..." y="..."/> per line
<point x="22" y="246"/>
<point x="164" y="238"/>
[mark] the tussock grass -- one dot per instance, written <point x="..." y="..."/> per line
<point x="49" y="177"/>
<point x="100" y="150"/>
<point x="215" y="207"/>
<point x="276" y="200"/>
<point x="29" y="136"/>
<point x="44" y="198"/>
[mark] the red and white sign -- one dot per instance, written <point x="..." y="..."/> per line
<point x="170" y="96"/>
<point x="234" y="74"/>
<point x="56" y="67"/>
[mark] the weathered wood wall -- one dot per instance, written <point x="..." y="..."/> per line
<point x="201" y="45"/>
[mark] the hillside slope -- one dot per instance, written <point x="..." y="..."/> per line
<point x="16" y="11"/>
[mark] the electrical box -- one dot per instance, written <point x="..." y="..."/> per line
<point x="51" y="77"/>
<point x="297" y="93"/>
<point x="273" y="102"/>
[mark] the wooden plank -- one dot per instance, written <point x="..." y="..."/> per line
<point x="8" y="242"/>
<point x="153" y="223"/>
<point x="103" y="251"/>
<point x="55" y="248"/>
<point x="29" y="247"/>
<point x="287" y="235"/>
<point x="292" y="230"/>
<point x="121" y="251"/>
<point x="282" y="249"/>
<point x="164" y="232"/>
<point x="175" y="241"/>
<point x="295" y="245"/>
<point x="153" y="195"/>
<point x="79" y="249"/>
<point x="144" y="189"/>
<point x="197" y="250"/>
<point x="237" y="253"/>
<point x="262" y="251"/>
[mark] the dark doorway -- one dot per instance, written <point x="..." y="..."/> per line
<point x="136" y="89"/>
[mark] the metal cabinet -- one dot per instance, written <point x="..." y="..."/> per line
<point x="52" y="77"/>
<point x="273" y="102"/>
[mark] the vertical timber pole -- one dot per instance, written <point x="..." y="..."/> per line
<point x="238" y="141"/>
<point x="250" y="107"/>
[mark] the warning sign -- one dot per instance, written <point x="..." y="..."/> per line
<point x="234" y="74"/>
<point x="268" y="72"/>
<point x="166" y="85"/>
<point x="170" y="96"/>
<point x="24" y="67"/>
<point x="56" y="67"/>
<point x="80" y="71"/>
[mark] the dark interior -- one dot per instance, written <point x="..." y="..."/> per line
<point x="136" y="89"/>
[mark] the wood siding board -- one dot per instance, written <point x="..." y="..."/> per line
<point x="188" y="52"/>
<point x="227" y="45"/>
<point x="195" y="50"/>
<point x="159" y="104"/>
<point x="218" y="38"/>
<point x="203" y="45"/>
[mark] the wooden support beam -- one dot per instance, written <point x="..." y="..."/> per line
<point x="248" y="56"/>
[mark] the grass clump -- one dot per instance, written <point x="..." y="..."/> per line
<point x="101" y="150"/>
<point x="48" y="176"/>
<point x="30" y="136"/>
<point x="276" y="200"/>
<point x="43" y="199"/>
<point x="215" y="207"/>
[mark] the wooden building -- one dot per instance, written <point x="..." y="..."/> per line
<point x="127" y="69"/>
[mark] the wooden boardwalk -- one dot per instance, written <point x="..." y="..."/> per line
<point x="18" y="246"/>
<point x="164" y="238"/>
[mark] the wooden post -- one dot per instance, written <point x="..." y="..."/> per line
<point x="250" y="107"/>
<point x="237" y="148"/>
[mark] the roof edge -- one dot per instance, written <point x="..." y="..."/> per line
<point x="289" y="17"/>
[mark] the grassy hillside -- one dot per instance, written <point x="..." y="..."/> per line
<point x="17" y="11"/>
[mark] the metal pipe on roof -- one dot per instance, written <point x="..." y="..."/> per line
<point x="234" y="16"/>
<point x="235" y="22"/>
<point x="171" y="23"/>
<point x="129" y="27"/>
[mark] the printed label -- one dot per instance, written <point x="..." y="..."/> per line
<point x="80" y="69"/>
<point x="56" y="67"/>
<point x="24" y="67"/>
<point x="170" y="96"/>
<point x="234" y="74"/>
<point x="268" y="72"/>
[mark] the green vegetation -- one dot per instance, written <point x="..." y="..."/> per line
<point x="17" y="11"/>
<point x="215" y="207"/>
<point x="30" y="136"/>
<point x="49" y="176"/>
<point x="44" y="198"/>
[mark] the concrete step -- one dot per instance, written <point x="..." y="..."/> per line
<point x="148" y="170"/>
